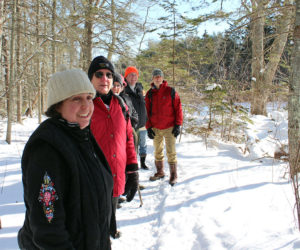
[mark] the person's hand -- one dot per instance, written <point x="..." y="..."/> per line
<point x="176" y="130"/>
<point x="151" y="133"/>
<point x="131" y="185"/>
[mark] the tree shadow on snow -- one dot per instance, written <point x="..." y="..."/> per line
<point x="156" y="216"/>
<point x="7" y="161"/>
<point x="9" y="242"/>
<point x="221" y="192"/>
<point x="199" y="177"/>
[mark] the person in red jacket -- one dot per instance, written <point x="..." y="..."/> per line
<point x="113" y="132"/>
<point x="164" y="120"/>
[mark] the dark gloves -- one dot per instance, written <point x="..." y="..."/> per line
<point x="131" y="186"/>
<point x="151" y="133"/>
<point x="176" y="130"/>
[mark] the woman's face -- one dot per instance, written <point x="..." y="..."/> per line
<point x="117" y="88"/>
<point x="102" y="81"/>
<point x="132" y="79"/>
<point x="78" y="109"/>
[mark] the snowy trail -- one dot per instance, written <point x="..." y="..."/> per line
<point x="223" y="199"/>
<point x="207" y="208"/>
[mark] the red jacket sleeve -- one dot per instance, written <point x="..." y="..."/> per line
<point x="178" y="110"/>
<point x="147" y="102"/>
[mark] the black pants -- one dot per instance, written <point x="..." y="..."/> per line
<point x="113" y="223"/>
<point x="115" y="201"/>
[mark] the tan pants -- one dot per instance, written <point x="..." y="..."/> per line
<point x="158" y="143"/>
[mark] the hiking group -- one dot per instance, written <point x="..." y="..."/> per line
<point x="84" y="157"/>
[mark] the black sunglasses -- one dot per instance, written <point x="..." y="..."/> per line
<point x="100" y="74"/>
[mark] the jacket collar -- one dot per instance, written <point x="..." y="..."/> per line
<point x="138" y="89"/>
<point x="105" y="98"/>
<point x="163" y="84"/>
<point x="73" y="129"/>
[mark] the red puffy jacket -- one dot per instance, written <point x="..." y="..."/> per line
<point x="165" y="112"/>
<point x="114" y="136"/>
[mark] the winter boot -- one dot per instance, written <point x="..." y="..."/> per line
<point x="160" y="171"/>
<point x="173" y="174"/>
<point x="143" y="159"/>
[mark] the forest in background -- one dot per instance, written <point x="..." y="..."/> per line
<point x="249" y="62"/>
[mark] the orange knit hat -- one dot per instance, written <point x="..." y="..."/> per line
<point x="131" y="69"/>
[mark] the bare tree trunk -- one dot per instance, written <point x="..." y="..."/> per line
<point x="6" y="69"/>
<point x="294" y="112"/>
<point x="144" y="29"/>
<point x="43" y="72"/>
<point x="263" y="75"/>
<point x="11" y="75"/>
<point x="257" y="38"/>
<point x="112" y="44"/>
<point x="18" y="64"/>
<point x="53" y="23"/>
<point x="4" y="45"/>
<point x="86" y="56"/>
<point x="38" y="69"/>
<point x="283" y="28"/>
<point x="25" y="87"/>
<point x="87" y="45"/>
<point x="1" y="24"/>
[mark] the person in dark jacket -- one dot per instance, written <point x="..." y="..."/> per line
<point x="118" y="89"/>
<point x="113" y="133"/>
<point x="135" y="91"/>
<point x="164" y="120"/>
<point x="66" y="178"/>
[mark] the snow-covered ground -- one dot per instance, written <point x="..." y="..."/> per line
<point x="224" y="199"/>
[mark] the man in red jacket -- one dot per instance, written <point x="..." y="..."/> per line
<point x="164" y="120"/>
<point x="113" y="132"/>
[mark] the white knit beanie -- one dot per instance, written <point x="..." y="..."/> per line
<point x="65" y="84"/>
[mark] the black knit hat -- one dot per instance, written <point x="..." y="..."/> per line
<point x="100" y="62"/>
<point x="118" y="78"/>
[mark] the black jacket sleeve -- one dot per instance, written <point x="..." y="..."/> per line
<point x="43" y="169"/>
<point x="134" y="117"/>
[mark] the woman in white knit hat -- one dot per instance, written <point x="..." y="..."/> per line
<point x="66" y="178"/>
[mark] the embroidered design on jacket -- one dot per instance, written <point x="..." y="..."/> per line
<point x="47" y="197"/>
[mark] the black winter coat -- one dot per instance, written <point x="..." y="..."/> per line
<point x="134" y="117"/>
<point x="138" y="102"/>
<point x="67" y="190"/>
